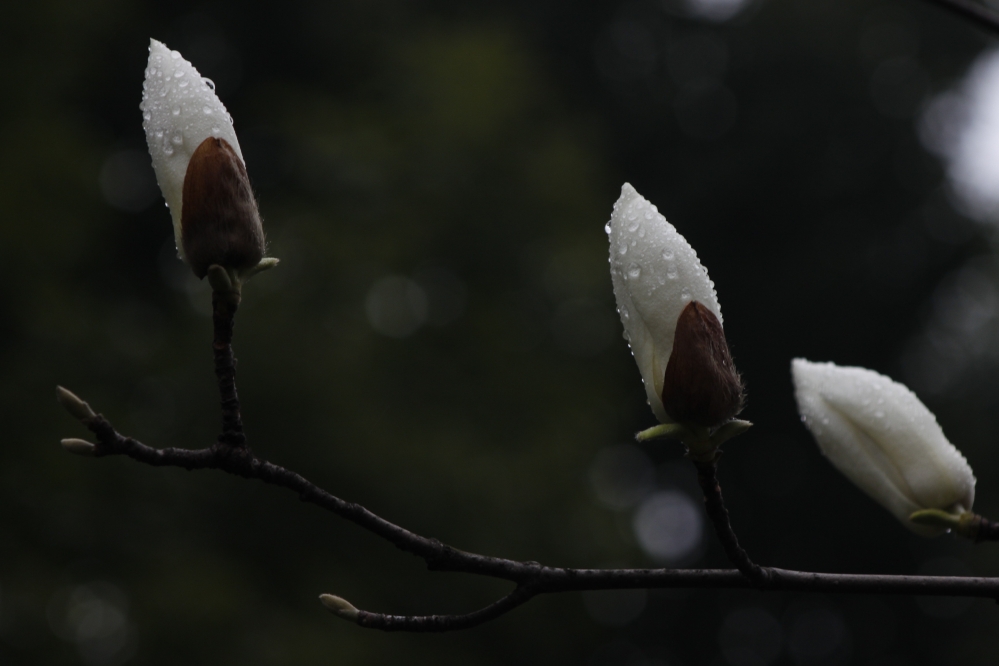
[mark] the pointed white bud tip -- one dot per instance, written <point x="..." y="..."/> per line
<point x="80" y="447"/>
<point x="74" y="405"/>
<point x="179" y="111"/>
<point x="339" y="606"/>
<point x="655" y="274"/>
<point x="881" y="437"/>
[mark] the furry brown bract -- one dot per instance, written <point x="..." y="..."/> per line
<point x="220" y="223"/>
<point x="701" y="385"/>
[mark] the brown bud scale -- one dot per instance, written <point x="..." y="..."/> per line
<point x="701" y="385"/>
<point x="219" y="220"/>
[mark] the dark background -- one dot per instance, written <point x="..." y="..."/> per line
<point x="473" y="150"/>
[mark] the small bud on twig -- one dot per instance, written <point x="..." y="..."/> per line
<point x="701" y="385"/>
<point x="74" y="405"/>
<point x="80" y="447"/>
<point x="339" y="606"/>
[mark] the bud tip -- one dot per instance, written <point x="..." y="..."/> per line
<point x="339" y="606"/>
<point x="80" y="447"/>
<point x="74" y="405"/>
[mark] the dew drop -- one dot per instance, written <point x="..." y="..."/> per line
<point x="177" y="139"/>
<point x="147" y="116"/>
<point x="671" y="273"/>
<point x="216" y="131"/>
<point x="178" y="74"/>
<point x="622" y="249"/>
<point x="668" y="254"/>
<point x="607" y="228"/>
<point x="632" y="223"/>
<point x="176" y="111"/>
<point x="206" y="110"/>
<point x="184" y="84"/>
<point x="634" y="271"/>
<point x="209" y="83"/>
<point x="685" y="296"/>
<point x="168" y="150"/>
<point x="174" y="54"/>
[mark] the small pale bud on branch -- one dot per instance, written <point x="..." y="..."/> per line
<point x="656" y="274"/>
<point x="339" y="606"/>
<point x="74" y="405"/>
<point x="701" y="385"/>
<point x="880" y="436"/>
<point x="80" y="447"/>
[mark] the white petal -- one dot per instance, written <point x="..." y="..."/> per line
<point x="880" y="436"/>
<point x="655" y="274"/>
<point x="179" y="110"/>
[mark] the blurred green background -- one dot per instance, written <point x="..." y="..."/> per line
<point x="440" y="342"/>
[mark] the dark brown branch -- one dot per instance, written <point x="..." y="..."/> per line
<point x="707" y="477"/>
<point x="224" y="305"/>
<point x="531" y="578"/>
<point x="978" y="13"/>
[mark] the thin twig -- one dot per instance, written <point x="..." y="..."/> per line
<point x="439" y="623"/>
<point x="224" y="305"/>
<point x="714" y="504"/>
<point x="978" y="13"/>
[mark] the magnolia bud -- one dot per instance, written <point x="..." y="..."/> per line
<point x="656" y="274"/>
<point x="877" y="433"/>
<point x="701" y="385"/>
<point x="199" y="166"/>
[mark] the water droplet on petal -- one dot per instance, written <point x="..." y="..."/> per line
<point x="147" y="116"/>
<point x="671" y="273"/>
<point x="668" y="254"/>
<point x="209" y="83"/>
<point x="178" y="74"/>
<point x="177" y="139"/>
<point x="184" y="84"/>
<point x="176" y="111"/>
<point x="634" y="271"/>
<point x="607" y="228"/>
<point x="207" y="110"/>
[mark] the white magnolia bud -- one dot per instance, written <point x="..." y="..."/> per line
<point x="184" y="119"/>
<point x="877" y="433"/>
<point x="656" y="274"/>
